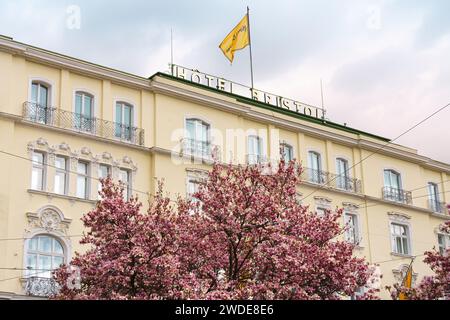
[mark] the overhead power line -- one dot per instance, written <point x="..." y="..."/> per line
<point x="379" y="149"/>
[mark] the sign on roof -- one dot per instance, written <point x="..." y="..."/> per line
<point x="218" y="83"/>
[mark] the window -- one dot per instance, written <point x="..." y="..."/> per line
<point x="433" y="197"/>
<point x="352" y="224"/>
<point x="193" y="185"/>
<point x="444" y="242"/>
<point x="125" y="178"/>
<point x="103" y="172"/>
<point x="393" y="186"/>
<point x="287" y="152"/>
<point x="392" y="179"/>
<point x="124" y="121"/>
<point x="342" y="172"/>
<point x="84" y="110"/>
<point x="254" y="150"/>
<point x="82" y="180"/>
<point x="321" y="211"/>
<point x="39" y="109"/>
<point x="315" y="167"/>
<point x="44" y="254"/>
<point x="360" y="291"/>
<point x="61" y="175"/>
<point x="197" y="140"/>
<point x="38" y="171"/>
<point x="400" y="238"/>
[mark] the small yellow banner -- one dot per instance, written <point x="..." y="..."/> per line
<point x="407" y="283"/>
<point x="237" y="39"/>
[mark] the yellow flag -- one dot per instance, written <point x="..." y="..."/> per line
<point x="237" y="39"/>
<point x="407" y="283"/>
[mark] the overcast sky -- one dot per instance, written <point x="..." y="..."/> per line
<point x="385" y="65"/>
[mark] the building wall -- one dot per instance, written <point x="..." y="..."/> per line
<point x="161" y="106"/>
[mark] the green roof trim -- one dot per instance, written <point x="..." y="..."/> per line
<point x="273" y="108"/>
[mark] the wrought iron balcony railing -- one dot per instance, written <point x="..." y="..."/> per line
<point x="80" y="123"/>
<point x="41" y="287"/>
<point x="201" y="149"/>
<point x="397" y="195"/>
<point x="332" y="180"/>
<point x="438" y="207"/>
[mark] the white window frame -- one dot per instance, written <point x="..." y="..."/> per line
<point x="407" y="237"/>
<point x="197" y="178"/>
<point x="99" y="176"/>
<point x="35" y="272"/>
<point x="192" y="142"/>
<point x="315" y="175"/>
<point x="356" y="228"/>
<point x="283" y="146"/>
<point x="84" y="176"/>
<point x="446" y="245"/>
<point x="43" y="81"/>
<point x="64" y="172"/>
<point x="128" y="184"/>
<point x="41" y="167"/>
<point x="259" y="157"/>
<point x="433" y="198"/>
<point x="83" y="94"/>
<point x="345" y="176"/>
<point x="124" y="102"/>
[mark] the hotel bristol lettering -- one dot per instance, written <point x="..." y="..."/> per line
<point x="218" y="83"/>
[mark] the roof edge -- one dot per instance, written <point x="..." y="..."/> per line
<point x="267" y="106"/>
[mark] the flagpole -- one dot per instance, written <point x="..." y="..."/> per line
<point x="250" y="44"/>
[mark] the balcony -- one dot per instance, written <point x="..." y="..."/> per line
<point x="397" y="195"/>
<point x="200" y="149"/>
<point x="332" y="180"/>
<point x="438" y="207"/>
<point x="79" y="123"/>
<point x="40" y="287"/>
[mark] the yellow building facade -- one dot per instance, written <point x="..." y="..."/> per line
<point x="65" y="123"/>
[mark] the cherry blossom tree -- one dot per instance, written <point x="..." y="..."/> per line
<point x="432" y="287"/>
<point x="130" y="255"/>
<point x="245" y="236"/>
<point x="251" y="238"/>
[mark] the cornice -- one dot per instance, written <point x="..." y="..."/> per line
<point x="75" y="65"/>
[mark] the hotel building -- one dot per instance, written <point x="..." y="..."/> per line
<point x="65" y="123"/>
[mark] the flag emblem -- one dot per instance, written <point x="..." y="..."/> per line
<point x="237" y="39"/>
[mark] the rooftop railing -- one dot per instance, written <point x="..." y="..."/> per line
<point x="80" y="123"/>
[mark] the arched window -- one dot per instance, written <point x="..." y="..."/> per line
<point x="315" y="167"/>
<point x="392" y="179"/>
<point x="286" y="152"/>
<point x="84" y="111"/>
<point x="124" y="121"/>
<point x="393" y="186"/>
<point x="44" y="253"/>
<point x="198" y="142"/>
<point x="433" y="198"/>
<point x="342" y="172"/>
<point x="39" y="107"/>
<point x="255" y="150"/>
